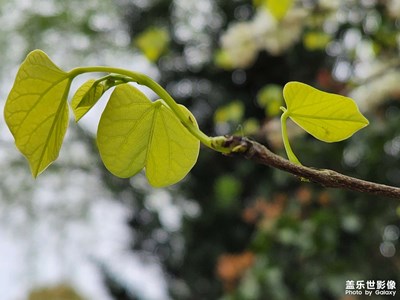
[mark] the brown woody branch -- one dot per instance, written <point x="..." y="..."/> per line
<point x="327" y="178"/>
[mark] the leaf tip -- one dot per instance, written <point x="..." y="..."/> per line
<point x="35" y="172"/>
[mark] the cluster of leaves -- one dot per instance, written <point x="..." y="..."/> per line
<point x="133" y="132"/>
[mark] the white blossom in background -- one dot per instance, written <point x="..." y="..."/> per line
<point x="243" y="40"/>
<point x="329" y="4"/>
<point x="277" y="36"/>
<point x="240" y="43"/>
<point x="393" y="8"/>
<point x="378" y="89"/>
<point x="376" y="78"/>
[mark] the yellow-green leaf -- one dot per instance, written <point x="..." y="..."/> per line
<point x="279" y="8"/>
<point x="223" y="59"/>
<point x="316" y="40"/>
<point x="270" y="97"/>
<point x="153" y="42"/>
<point x="232" y="112"/>
<point x="85" y="97"/>
<point x="328" y="117"/>
<point x="135" y="133"/>
<point x="36" y="110"/>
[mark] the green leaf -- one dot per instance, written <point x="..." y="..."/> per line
<point x="223" y="59"/>
<point x="86" y="97"/>
<point x="270" y="97"/>
<point x="250" y="126"/>
<point x="135" y="133"/>
<point x="279" y="8"/>
<point x="153" y="42"/>
<point x="232" y="112"/>
<point x="227" y="189"/>
<point x="36" y="110"/>
<point x="316" y="40"/>
<point x="328" y="117"/>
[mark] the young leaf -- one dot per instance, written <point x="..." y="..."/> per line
<point x="36" y="110"/>
<point x="135" y="133"/>
<point x="328" y="117"/>
<point x="86" y="97"/>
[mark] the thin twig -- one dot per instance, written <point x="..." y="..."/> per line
<point x="327" y="178"/>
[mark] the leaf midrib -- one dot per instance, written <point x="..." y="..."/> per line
<point x="293" y="115"/>
<point x="155" y="107"/>
<point x="60" y="107"/>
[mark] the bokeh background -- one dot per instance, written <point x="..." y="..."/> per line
<point x="232" y="229"/>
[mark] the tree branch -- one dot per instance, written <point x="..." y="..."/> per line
<point x="327" y="178"/>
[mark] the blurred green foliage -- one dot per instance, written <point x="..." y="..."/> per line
<point x="61" y="292"/>
<point x="259" y="233"/>
<point x="271" y="98"/>
<point x="153" y="42"/>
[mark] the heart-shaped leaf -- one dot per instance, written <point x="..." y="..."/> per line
<point x="135" y="133"/>
<point x="85" y="97"/>
<point x="36" y="110"/>
<point x="328" y="117"/>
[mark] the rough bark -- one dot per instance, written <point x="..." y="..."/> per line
<point x="328" y="178"/>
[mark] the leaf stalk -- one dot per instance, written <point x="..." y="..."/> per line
<point x="292" y="157"/>
<point x="143" y="79"/>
